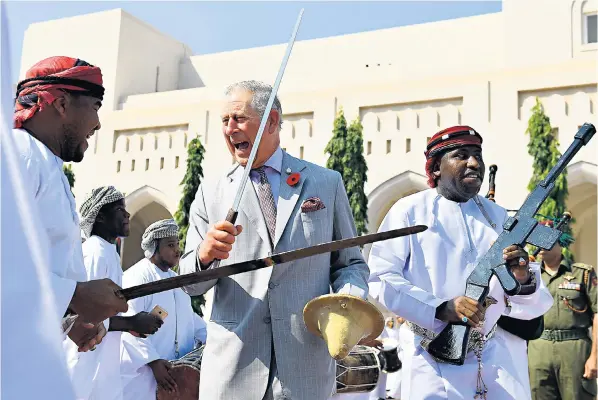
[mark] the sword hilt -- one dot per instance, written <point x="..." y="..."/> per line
<point x="232" y="218"/>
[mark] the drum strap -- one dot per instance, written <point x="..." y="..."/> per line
<point x="476" y="344"/>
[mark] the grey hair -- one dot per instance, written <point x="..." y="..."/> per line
<point x="261" y="93"/>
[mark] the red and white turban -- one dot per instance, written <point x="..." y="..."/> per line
<point x="46" y="81"/>
<point x="445" y="140"/>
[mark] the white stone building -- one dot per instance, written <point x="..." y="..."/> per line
<point x="404" y="83"/>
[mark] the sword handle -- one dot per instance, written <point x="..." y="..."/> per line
<point x="232" y="218"/>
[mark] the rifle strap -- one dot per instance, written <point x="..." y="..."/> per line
<point x="477" y="201"/>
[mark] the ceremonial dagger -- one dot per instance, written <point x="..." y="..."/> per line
<point x="234" y="210"/>
<point x="215" y="273"/>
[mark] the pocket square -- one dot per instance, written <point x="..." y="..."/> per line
<point x="312" y="204"/>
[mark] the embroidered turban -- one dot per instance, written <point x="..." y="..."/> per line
<point x="46" y="81"/>
<point x="92" y="205"/>
<point x="448" y="139"/>
<point x="158" y="230"/>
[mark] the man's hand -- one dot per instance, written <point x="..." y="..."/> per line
<point x="462" y="306"/>
<point x="85" y="335"/>
<point x="373" y="343"/>
<point x="218" y="242"/>
<point x="518" y="260"/>
<point x="97" y="300"/>
<point x="143" y="324"/>
<point x="591" y="369"/>
<point x="161" y="370"/>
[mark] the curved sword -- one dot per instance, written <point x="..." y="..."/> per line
<point x="215" y="273"/>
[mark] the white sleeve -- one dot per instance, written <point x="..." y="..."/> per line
<point x="140" y="350"/>
<point x="96" y="268"/>
<point x="388" y="261"/>
<point x="533" y="305"/>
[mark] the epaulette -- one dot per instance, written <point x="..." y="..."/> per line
<point x="587" y="267"/>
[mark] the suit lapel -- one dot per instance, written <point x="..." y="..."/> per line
<point x="249" y="205"/>
<point x="287" y="195"/>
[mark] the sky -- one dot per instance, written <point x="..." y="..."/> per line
<point x="212" y="27"/>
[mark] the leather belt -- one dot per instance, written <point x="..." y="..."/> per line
<point x="560" y="335"/>
<point x="476" y="339"/>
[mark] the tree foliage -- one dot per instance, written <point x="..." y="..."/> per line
<point x="543" y="146"/>
<point x="70" y="175"/>
<point x="190" y="183"/>
<point x="345" y="155"/>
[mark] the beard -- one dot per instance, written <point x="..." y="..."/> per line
<point x="72" y="148"/>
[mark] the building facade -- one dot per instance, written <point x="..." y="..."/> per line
<point x="404" y="84"/>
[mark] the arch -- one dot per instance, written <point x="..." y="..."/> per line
<point x="382" y="198"/>
<point x="145" y="195"/>
<point x="146" y="206"/>
<point x="582" y="179"/>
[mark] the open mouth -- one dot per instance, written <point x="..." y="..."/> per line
<point x="241" y="145"/>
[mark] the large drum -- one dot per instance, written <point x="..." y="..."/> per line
<point x="359" y="371"/>
<point x="185" y="371"/>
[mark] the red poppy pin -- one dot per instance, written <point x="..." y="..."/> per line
<point x="293" y="179"/>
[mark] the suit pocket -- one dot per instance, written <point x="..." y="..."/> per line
<point x="225" y="324"/>
<point x="314" y="226"/>
<point x="572" y="299"/>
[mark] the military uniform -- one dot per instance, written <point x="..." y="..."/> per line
<point x="557" y="360"/>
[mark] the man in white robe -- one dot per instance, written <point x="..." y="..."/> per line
<point x="56" y="111"/>
<point x="104" y="218"/>
<point x="422" y="277"/>
<point x="145" y="361"/>
<point x="32" y="358"/>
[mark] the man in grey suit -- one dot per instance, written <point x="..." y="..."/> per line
<point x="258" y="346"/>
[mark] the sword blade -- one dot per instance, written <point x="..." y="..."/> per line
<point x="215" y="273"/>
<point x="266" y="115"/>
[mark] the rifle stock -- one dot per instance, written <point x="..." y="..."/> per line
<point x="450" y="345"/>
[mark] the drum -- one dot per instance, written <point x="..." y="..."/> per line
<point x="389" y="356"/>
<point x="359" y="372"/>
<point x="185" y="371"/>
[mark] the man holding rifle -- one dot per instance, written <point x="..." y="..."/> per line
<point x="423" y="277"/>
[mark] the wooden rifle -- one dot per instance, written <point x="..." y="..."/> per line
<point x="525" y="329"/>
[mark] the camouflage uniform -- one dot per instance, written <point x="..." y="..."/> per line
<point x="557" y="360"/>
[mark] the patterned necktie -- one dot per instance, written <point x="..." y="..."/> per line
<point x="264" y="193"/>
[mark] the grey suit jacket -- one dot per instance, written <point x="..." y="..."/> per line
<point x="256" y="311"/>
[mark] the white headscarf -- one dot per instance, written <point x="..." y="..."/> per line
<point x="158" y="230"/>
<point x="93" y="203"/>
